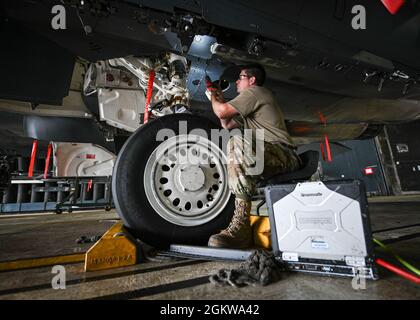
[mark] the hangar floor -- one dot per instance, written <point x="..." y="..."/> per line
<point x="394" y="219"/>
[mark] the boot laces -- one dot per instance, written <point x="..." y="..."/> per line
<point x="239" y="220"/>
<point x="235" y="225"/>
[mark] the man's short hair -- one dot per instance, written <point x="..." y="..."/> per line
<point x="257" y="71"/>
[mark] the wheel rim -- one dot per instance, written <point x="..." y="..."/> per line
<point x="185" y="180"/>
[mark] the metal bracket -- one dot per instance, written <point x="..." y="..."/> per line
<point x="256" y="46"/>
<point x="206" y="253"/>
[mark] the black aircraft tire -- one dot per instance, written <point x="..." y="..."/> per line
<point x="130" y="197"/>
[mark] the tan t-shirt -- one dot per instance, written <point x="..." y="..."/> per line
<point x="259" y="109"/>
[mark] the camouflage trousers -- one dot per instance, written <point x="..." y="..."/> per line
<point x="251" y="162"/>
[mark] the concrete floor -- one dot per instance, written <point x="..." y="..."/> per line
<point x="173" y="279"/>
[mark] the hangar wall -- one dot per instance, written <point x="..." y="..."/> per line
<point x="389" y="164"/>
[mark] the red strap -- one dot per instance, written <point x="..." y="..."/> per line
<point x="149" y="95"/>
<point x="327" y="145"/>
<point x="47" y="160"/>
<point x="322" y="118"/>
<point x="33" y="156"/>
<point x="321" y="145"/>
<point x="89" y="186"/>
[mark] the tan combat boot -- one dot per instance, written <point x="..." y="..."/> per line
<point x="238" y="234"/>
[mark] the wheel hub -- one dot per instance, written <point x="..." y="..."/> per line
<point x="191" y="178"/>
<point x="186" y="180"/>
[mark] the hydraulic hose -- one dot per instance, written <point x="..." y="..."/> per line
<point x="398" y="271"/>
<point x="401" y="260"/>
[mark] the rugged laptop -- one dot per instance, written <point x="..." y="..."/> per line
<point x="322" y="227"/>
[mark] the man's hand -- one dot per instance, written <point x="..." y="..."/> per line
<point x="209" y="84"/>
<point x="221" y="109"/>
<point x="208" y="94"/>
<point x="213" y="89"/>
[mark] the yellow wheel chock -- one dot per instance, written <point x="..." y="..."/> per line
<point x="116" y="248"/>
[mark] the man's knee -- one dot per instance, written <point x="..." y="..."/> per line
<point x="235" y="144"/>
